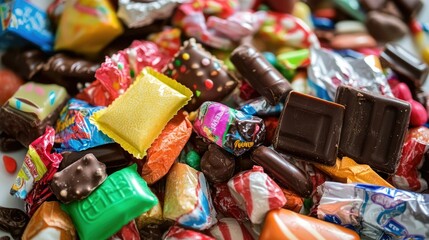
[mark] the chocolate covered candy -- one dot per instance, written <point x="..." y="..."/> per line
<point x="202" y="72"/>
<point x="33" y="107"/>
<point x="79" y="179"/>
<point x="309" y="129"/>
<point x="13" y="221"/>
<point x="50" y="222"/>
<point x="283" y="171"/>
<point x="263" y="77"/>
<point x="374" y="128"/>
<point x="385" y="27"/>
<point x="25" y="62"/>
<point x="217" y="164"/>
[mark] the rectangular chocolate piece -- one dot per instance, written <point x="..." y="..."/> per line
<point x="405" y="64"/>
<point x="309" y="129"/>
<point x="374" y="128"/>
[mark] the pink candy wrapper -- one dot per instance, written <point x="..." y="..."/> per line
<point x="225" y="203"/>
<point x="256" y="193"/>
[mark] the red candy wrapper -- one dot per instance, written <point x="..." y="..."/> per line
<point x="407" y="175"/>
<point x="256" y="193"/>
<point x="168" y="41"/>
<point x="230" y="229"/>
<point x="178" y="233"/>
<point x="118" y="72"/>
<point x="127" y="232"/>
<point x="225" y="203"/>
<point x="33" y="180"/>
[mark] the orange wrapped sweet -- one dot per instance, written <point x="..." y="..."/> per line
<point x="166" y="148"/>
<point x="293" y="201"/>
<point x="285" y="224"/>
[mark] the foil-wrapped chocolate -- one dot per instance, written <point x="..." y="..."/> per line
<point x="13" y="221"/>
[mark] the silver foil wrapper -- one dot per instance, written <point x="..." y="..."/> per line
<point x="328" y="70"/>
<point x="142" y="13"/>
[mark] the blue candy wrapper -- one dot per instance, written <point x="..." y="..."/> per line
<point x="261" y="108"/>
<point x="74" y="130"/>
<point x="23" y="22"/>
<point x="375" y="212"/>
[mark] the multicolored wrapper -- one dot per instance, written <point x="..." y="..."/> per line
<point x="225" y="203"/>
<point x="283" y="29"/>
<point x="261" y="108"/>
<point x="407" y="175"/>
<point x="230" y="229"/>
<point x="39" y="164"/>
<point x="168" y="41"/>
<point x="23" y="20"/>
<point x="148" y="104"/>
<point x="347" y="170"/>
<point x="187" y="198"/>
<point x="142" y="13"/>
<point x="118" y="200"/>
<point x="375" y="212"/>
<point x="178" y="233"/>
<point x="166" y="148"/>
<point x="218" y="8"/>
<point x="74" y="130"/>
<point x="256" y="193"/>
<point x="230" y="129"/>
<point x="50" y="222"/>
<point x="86" y="27"/>
<point x="328" y="70"/>
<point x="127" y="232"/>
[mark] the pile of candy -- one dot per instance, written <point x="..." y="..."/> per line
<point x="215" y="119"/>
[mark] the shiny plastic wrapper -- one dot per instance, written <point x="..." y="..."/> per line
<point x="142" y="13"/>
<point x="261" y="108"/>
<point x="375" y="212"/>
<point x="178" y="233"/>
<point x="75" y="132"/>
<point x="328" y="70"/>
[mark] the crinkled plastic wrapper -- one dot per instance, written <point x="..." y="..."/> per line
<point x="74" y="130"/>
<point x="328" y="70"/>
<point x="261" y="107"/>
<point x="375" y="212"/>
<point x="187" y="199"/>
<point x="140" y="13"/>
<point x="230" y="129"/>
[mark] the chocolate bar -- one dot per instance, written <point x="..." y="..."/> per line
<point x="33" y="107"/>
<point x="263" y="77"/>
<point x="374" y="128"/>
<point x="79" y="179"/>
<point x="283" y="171"/>
<point x="409" y="68"/>
<point x="309" y="129"/>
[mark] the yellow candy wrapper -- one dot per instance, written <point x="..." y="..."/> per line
<point x="136" y="118"/>
<point x="87" y="26"/>
<point x="347" y="170"/>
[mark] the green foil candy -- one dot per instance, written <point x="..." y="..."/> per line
<point x="122" y="197"/>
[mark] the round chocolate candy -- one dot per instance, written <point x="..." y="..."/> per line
<point x="217" y="164"/>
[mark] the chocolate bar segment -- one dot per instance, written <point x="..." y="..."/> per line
<point x="263" y="77"/>
<point x="283" y="171"/>
<point x="309" y="129"/>
<point x="79" y="179"/>
<point x="405" y="64"/>
<point x="374" y="128"/>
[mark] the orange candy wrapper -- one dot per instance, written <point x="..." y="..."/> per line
<point x="87" y="26"/>
<point x="293" y="201"/>
<point x="137" y="117"/>
<point x="166" y="148"/>
<point x="347" y="170"/>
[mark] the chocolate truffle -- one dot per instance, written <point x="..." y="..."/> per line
<point x="217" y="164"/>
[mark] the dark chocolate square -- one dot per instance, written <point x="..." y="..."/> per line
<point x="309" y="129"/>
<point x="374" y="128"/>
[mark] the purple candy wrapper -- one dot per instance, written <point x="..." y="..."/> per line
<point x="233" y="130"/>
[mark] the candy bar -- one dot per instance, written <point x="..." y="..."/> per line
<point x="122" y="197"/>
<point x="285" y="224"/>
<point x="374" y="128"/>
<point x="285" y="172"/>
<point x="50" y="222"/>
<point x="309" y="129"/>
<point x="228" y="128"/>
<point x="187" y="200"/>
<point x="201" y="72"/>
<point x="78" y="180"/>
<point x="217" y="164"/>
<point x="13" y="221"/>
<point x="263" y="77"/>
<point x="30" y="110"/>
<point x="264" y="196"/>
